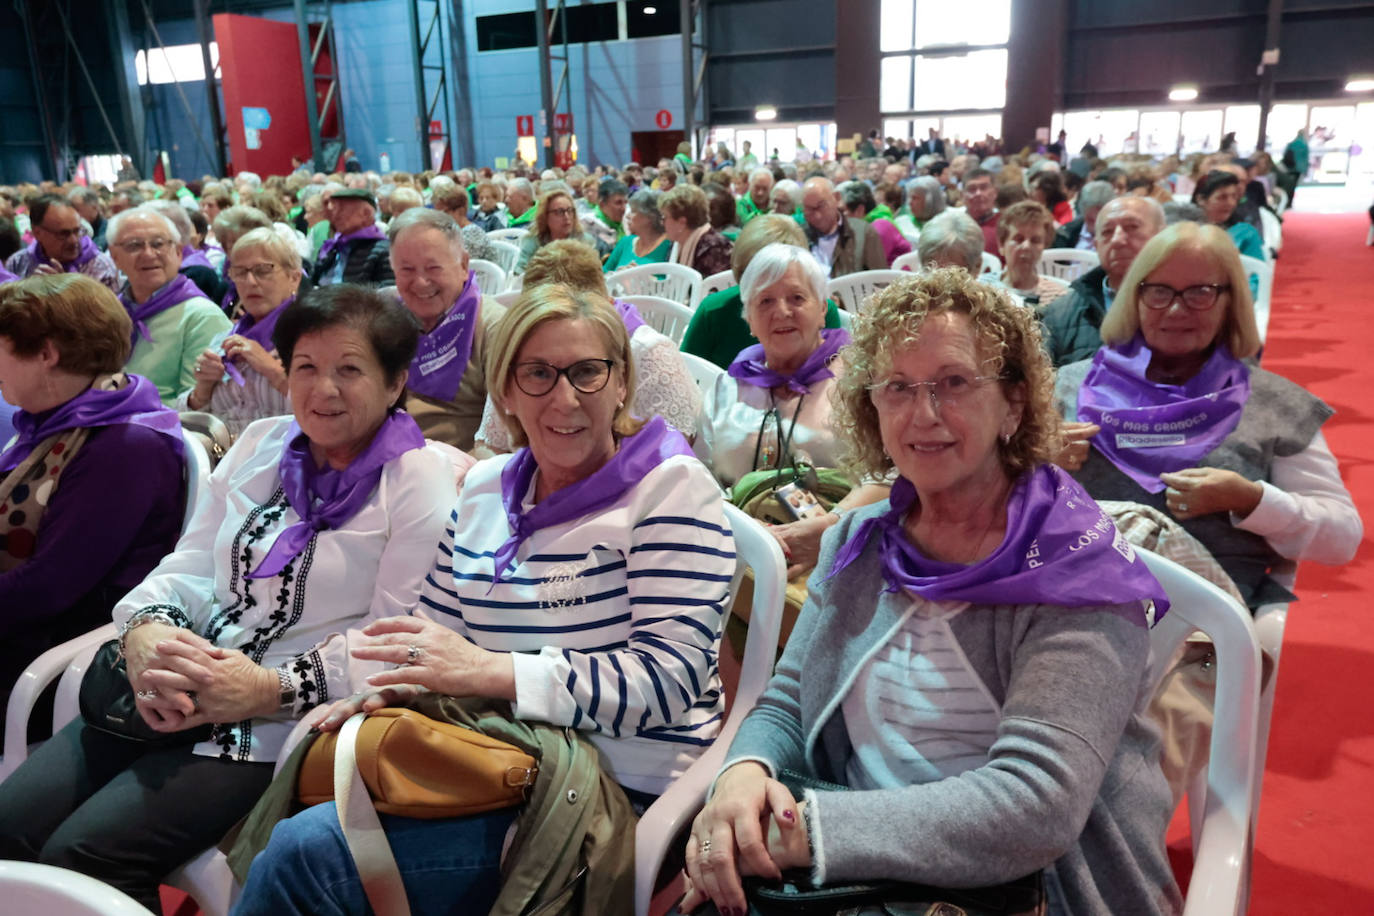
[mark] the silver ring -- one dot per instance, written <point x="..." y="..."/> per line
<point x="705" y="846"/>
<point x="195" y="700"/>
<point x="147" y="694"/>
<point x="1183" y="507"/>
<point x="412" y="654"/>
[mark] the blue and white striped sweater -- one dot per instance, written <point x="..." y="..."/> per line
<point x="615" y="617"/>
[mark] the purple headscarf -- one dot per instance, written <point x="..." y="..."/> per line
<point x="1060" y="549"/>
<point x="639" y="454"/>
<point x="194" y="257"/>
<point x="137" y="402"/>
<point x="442" y="355"/>
<point x="326" y="498"/>
<point x="750" y="366"/>
<point x="1150" y="428"/>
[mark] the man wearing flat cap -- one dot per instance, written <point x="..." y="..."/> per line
<point x="358" y="251"/>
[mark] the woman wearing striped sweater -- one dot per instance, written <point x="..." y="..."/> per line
<point x="584" y="578"/>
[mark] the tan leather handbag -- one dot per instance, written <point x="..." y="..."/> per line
<point x="415" y="766"/>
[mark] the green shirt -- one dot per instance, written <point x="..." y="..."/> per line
<point x="179" y="335"/>
<point x="623" y="254"/>
<point x="317" y="235"/>
<point x="618" y="227"/>
<point x="746" y="209"/>
<point x="882" y="211"/>
<point x="718" y="330"/>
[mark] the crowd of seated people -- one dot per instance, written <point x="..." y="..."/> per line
<point x="432" y="496"/>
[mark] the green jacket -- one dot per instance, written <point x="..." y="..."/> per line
<point x="718" y="330"/>
<point x="576" y="819"/>
<point x="1073" y="322"/>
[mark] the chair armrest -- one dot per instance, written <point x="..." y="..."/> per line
<point x="35" y="679"/>
<point x="666" y="818"/>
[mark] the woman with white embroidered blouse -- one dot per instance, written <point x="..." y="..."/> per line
<point x="309" y="527"/>
<point x="241" y="379"/>
<point x="984" y="707"/>
<point x="582" y="578"/>
<point x="663" y="386"/>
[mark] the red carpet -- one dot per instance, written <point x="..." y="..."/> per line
<point x="1316" y="826"/>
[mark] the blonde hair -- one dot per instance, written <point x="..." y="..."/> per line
<point x="760" y="232"/>
<point x="556" y="302"/>
<point x="567" y="262"/>
<point x="271" y="243"/>
<point x="1007" y="336"/>
<point x="541" y="215"/>
<point x="1238" y="330"/>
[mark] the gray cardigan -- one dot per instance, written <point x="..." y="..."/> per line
<point x="1072" y="784"/>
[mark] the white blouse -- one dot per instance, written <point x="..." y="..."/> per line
<point x="663" y="388"/>
<point x="300" y="621"/>
<point x="732" y="419"/>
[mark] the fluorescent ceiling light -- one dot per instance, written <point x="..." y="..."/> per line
<point x="650" y="10"/>
<point x="1360" y="84"/>
<point x="765" y="113"/>
<point x="1182" y="93"/>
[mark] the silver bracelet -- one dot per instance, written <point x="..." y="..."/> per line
<point x="138" y="620"/>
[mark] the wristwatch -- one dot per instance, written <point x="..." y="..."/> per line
<point x="288" y="691"/>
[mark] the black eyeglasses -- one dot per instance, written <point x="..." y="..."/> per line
<point x="1200" y="298"/>
<point x="588" y="376"/>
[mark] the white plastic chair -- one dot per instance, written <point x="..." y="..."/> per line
<point x="852" y="290"/>
<point x="911" y="261"/>
<point x="504" y="254"/>
<point x="846" y="319"/>
<point x="662" y="825"/>
<point x="1055" y="281"/>
<point x="714" y="284"/>
<point x="675" y="282"/>
<point x="508" y="236"/>
<point x="668" y="317"/>
<point x="197" y="476"/>
<point x="1280" y="201"/>
<point x="491" y="278"/>
<point x="1270" y="620"/>
<point x="1067" y="264"/>
<point x="1223" y="816"/>
<point x="1264" y="271"/>
<point x="30" y="889"/>
<point x="992" y="264"/>
<point x="1272" y="230"/>
<point x="508" y="297"/>
<point x="703" y="371"/>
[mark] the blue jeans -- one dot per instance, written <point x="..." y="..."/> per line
<point x="451" y="865"/>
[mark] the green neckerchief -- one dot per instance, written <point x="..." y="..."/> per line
<point x="523" y="218"/>
<point x="601" y="215"/>
<point x="747" y="209"/>
<point x="882" y="211"/>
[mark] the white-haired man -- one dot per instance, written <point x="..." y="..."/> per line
<point x="758" y="198"/>
<point x="446" y="389"/>
<point x="843" y="246"/>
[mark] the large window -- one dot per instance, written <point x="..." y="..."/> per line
<point x="940" y="57"/>
<point x="175" y="64"/>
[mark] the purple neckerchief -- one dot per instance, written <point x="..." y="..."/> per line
<point x="326" y="498"/>
<point x="337" y="239"/>
<point x="442" y="355"/>
<point x="750" y="365"/>
<point x="6" y="276"/>
<point x="137" y="403"/>
<point x="175" y="292"/>
<point x="231" y="290"/>
<point x="630" y="315"/>
<point x="1149" y="428"/>
<point x="88" y="252"/>
<point x="194" y="257"/>
<point x="1060" y="549"/>
<point x="258" y="330"/>
<point x="637" y="456"/>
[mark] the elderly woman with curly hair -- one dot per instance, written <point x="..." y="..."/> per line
<point x="555" y="219"/>
<point x="1023" y="230"/>
<point x="947" y="709"/>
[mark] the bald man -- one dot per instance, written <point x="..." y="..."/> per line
<point x="1073" y="322"/>
<point x="842" y="245"/>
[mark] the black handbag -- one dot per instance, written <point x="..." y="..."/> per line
<point x="107" y="704"/>
<point x="794" y="897"/>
